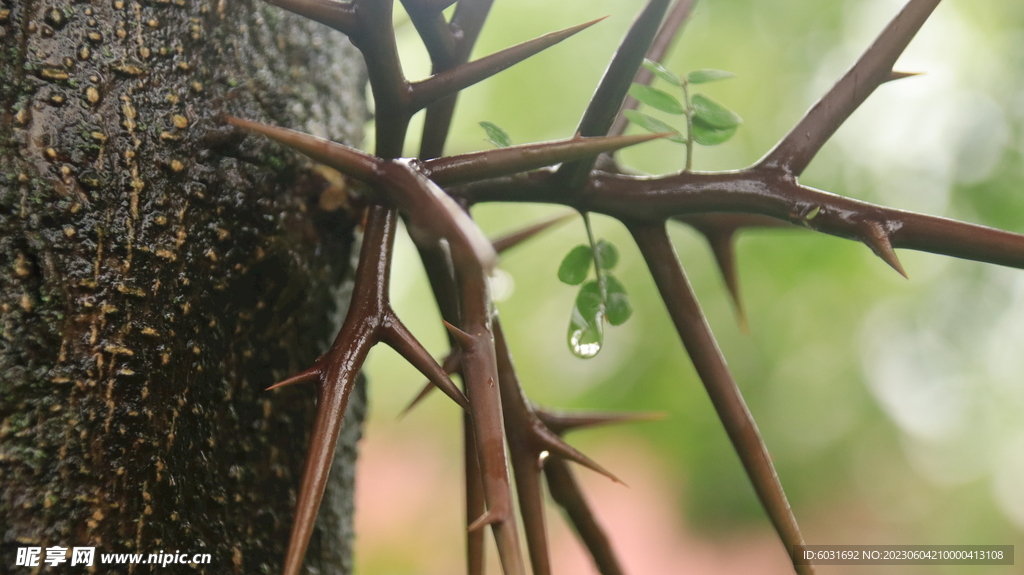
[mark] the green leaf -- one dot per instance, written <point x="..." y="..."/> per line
<point x="618" y="306"/>
<point x="662" y="73"/>
<point x="707" y="135"/>
<point x="654" y="125"/>
<point x="713" y="113"/>
<point x="705" y="76"/>
<point x="575" y="265"/>
<point x="607" y="254"/>
<point x="496" y="135"/>
<point x="657" y="99"/>
<point x="589" y="301"/>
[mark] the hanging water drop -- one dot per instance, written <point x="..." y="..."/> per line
<point x="586" y="337"/>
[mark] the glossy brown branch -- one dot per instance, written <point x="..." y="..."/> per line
<point x="725" y="395"/>
<point x="874" y="68"/>
<point x="765" y="192"/>
<point x="666" y="36"/>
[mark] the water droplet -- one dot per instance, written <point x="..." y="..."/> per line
<point x="585" y="338"/>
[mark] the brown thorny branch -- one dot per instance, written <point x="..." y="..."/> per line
<point x="433" y="194"/>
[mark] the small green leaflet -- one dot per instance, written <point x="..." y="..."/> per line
<point x="496" y="135"/>
<point x="607" y="254"/>
<point x="705" y="76"/>
<point x="618" y="308"/>
<point x="657" y="99"/>
<point x="575" y="265"/>
<point x="654" y="125"/>
<point x="588" y="301"/>
<point x="707" y="135"/>
<point x="661" y="72"/>
<point x="714" y="114"/>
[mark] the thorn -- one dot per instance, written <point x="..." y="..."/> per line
<point x="878" y="240"/>
<point x="452" y="363"/>
<point x="465" y="340"/>
<point x="515" y="238"/>
<point x="401" y="340"/>
<point x="561" y="422"/>
<point x="452" y="81"/>
<point x="301" y="377"/>
<point x="894" y="75"/>
<point x="514" y="159"/>
<point x="346" y="160"/>
<point x="338" y="15"/>
<point x="566" y="492"/>
<point x="488" y="518"/>
<point x="723" y="247"/>
<point x="427" y="388"/>
<point x="566" y="451"/>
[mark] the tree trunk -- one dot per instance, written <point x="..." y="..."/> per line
<point x="158" y="270"/>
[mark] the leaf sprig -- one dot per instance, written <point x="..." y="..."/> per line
<point x="601" y="299"/>
<point x="708" y="122"/>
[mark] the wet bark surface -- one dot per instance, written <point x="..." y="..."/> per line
<point x="158" y="270"/>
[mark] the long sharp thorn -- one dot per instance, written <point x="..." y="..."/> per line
<point x="346" y="160"/>
<point x="878" y="240"/>
<point x="304" y="376"/>
<point x="722" y="245"/>
<point x="610" y="93"/>
<point x="465" y="340"/>
<point x="566" y="492"/>
<point x="398" y="337"/>
<point x="332" y="399"/>
<point x="427" y="388"/>
<point x="509" y="241"/>
<point x="559" y="447"/>
<point x="449" y="82"/>
<point x="796" y="150"/>
<point x="560" y="422"/>
<point x="895" y="75"/>
<point x="488" y="518"/>
<point x="338" y="15"/>
<point x="463" y="168"/>
<point x="450" y="365"/>
<point x="690" y="323"/>
<point x="667" y="34"/>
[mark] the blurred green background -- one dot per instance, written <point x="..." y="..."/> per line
<point x="892" y="408"/>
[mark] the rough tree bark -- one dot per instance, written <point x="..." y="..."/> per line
<point x="158" y="270"/>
